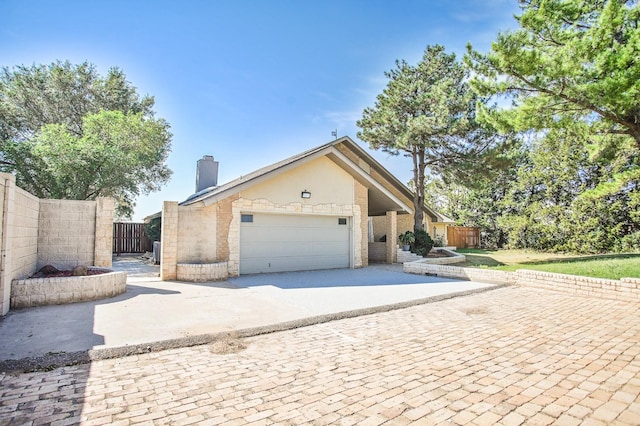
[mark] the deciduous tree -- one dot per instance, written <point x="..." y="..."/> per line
<point x="67" y="132"/>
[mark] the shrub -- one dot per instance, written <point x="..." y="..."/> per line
<point x="422" y="244"/>
<point x="438" y="241"/>
<point x="153" y="229"/>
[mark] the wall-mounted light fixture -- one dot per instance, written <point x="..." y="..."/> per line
<point x="305" y="194"/>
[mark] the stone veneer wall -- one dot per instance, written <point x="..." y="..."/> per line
<point x="66" y="233"/>
<point x="36" y="232"/>
<point x="625" y="289"/>
<point x="169" y="244"/>
<point x="377" y="252"/>
<point x="103" y="247"/>
<point x="392" y="229"/>
<point x="24" y="237"/>
<point x="196" y="234"/>
<point x="19" y="237"/>
<point x="202" y="272"/>
<point x="361" y="199"/>
<point x="223" y="221"/>
<point x="56" y="291"/>
<point x="224" y="215"/>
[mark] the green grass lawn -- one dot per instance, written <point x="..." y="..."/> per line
<point x="613" y="266"/>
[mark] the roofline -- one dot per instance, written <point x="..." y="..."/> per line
<point x="239" y="184"/>
<point x="387" y="175"/>
<point x="365" y="176"/>
<point x="289" y="163"/>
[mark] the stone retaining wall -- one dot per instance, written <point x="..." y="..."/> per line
<point x="448" y="271"/>
<point x="377" y="252"/>
<point x="453" y="257"/>
<point x="60" y="290"/>
<point x="626" y="289"/>
<point x="202" y="272"/>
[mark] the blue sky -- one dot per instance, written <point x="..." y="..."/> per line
<point x="249" y="82"/>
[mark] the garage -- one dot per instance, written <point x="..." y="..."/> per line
<point x="278" y="243"/>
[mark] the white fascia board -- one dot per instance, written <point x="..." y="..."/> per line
<point x="259" y="179"/>
<point x="367" y="177"/>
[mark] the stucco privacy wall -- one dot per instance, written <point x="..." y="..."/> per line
<point x="37" y="232"/>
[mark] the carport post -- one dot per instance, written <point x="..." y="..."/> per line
<point x="391" y="229"/>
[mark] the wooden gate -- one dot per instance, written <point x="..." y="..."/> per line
<point x="463" y="236"/>
<point x="130" y="237"/>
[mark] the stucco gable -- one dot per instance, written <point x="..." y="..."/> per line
<point x="385" y="189"/>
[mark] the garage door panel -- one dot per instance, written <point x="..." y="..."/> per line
<point x="277" y="243"/>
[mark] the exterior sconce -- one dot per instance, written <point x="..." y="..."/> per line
<point x="305" y="194"/>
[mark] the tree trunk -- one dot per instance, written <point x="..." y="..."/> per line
<point x="417" y="155"/>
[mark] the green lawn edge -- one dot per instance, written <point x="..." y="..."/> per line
<point x="609" y="266"/>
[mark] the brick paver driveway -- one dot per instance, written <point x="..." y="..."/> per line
<point x="511" y="356"/>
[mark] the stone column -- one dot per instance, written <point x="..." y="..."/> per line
<point x="392" y="235"/>
<point x="362" y="223"/>
<point x="169" y="245"/>
<point x="103" y="249"/>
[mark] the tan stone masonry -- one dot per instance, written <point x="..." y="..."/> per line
<point x="243" y="205"/>
<point x="625" y="289"/>
<point x="169" y="247"/>
<point x="35" y="232"/>
<point x="361" y="198"/>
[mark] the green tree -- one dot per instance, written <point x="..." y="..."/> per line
<point x="572" y="74"/>
<point x="67" y="132"/>
<point x="427" y="113"/>
<point x="571" y="64"/>
<point x="557" y="200"/>
<point x="481" y="204"/>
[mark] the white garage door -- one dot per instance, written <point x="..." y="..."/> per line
<point x="277" y="243"/>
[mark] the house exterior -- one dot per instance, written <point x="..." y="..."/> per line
<point x="322" y="209"/>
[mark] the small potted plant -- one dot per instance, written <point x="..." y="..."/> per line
<point x="406" y="239"/>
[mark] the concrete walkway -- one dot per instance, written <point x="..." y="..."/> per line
<point x="153" y="311"/>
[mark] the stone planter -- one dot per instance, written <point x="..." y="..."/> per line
<point x="202" y="272"/>
<point x="61" y="290"/>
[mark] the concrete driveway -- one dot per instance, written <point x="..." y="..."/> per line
<point x="154" y="311"/>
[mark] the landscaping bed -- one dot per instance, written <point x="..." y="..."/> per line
<point x="98" y="283"/>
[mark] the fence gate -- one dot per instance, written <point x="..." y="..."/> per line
<point x="463" y="236"/>
<point x="130" y="237"/>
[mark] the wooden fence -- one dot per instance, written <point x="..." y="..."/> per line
<point x="463" y="236"/>
<point x="130" y="237"/>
